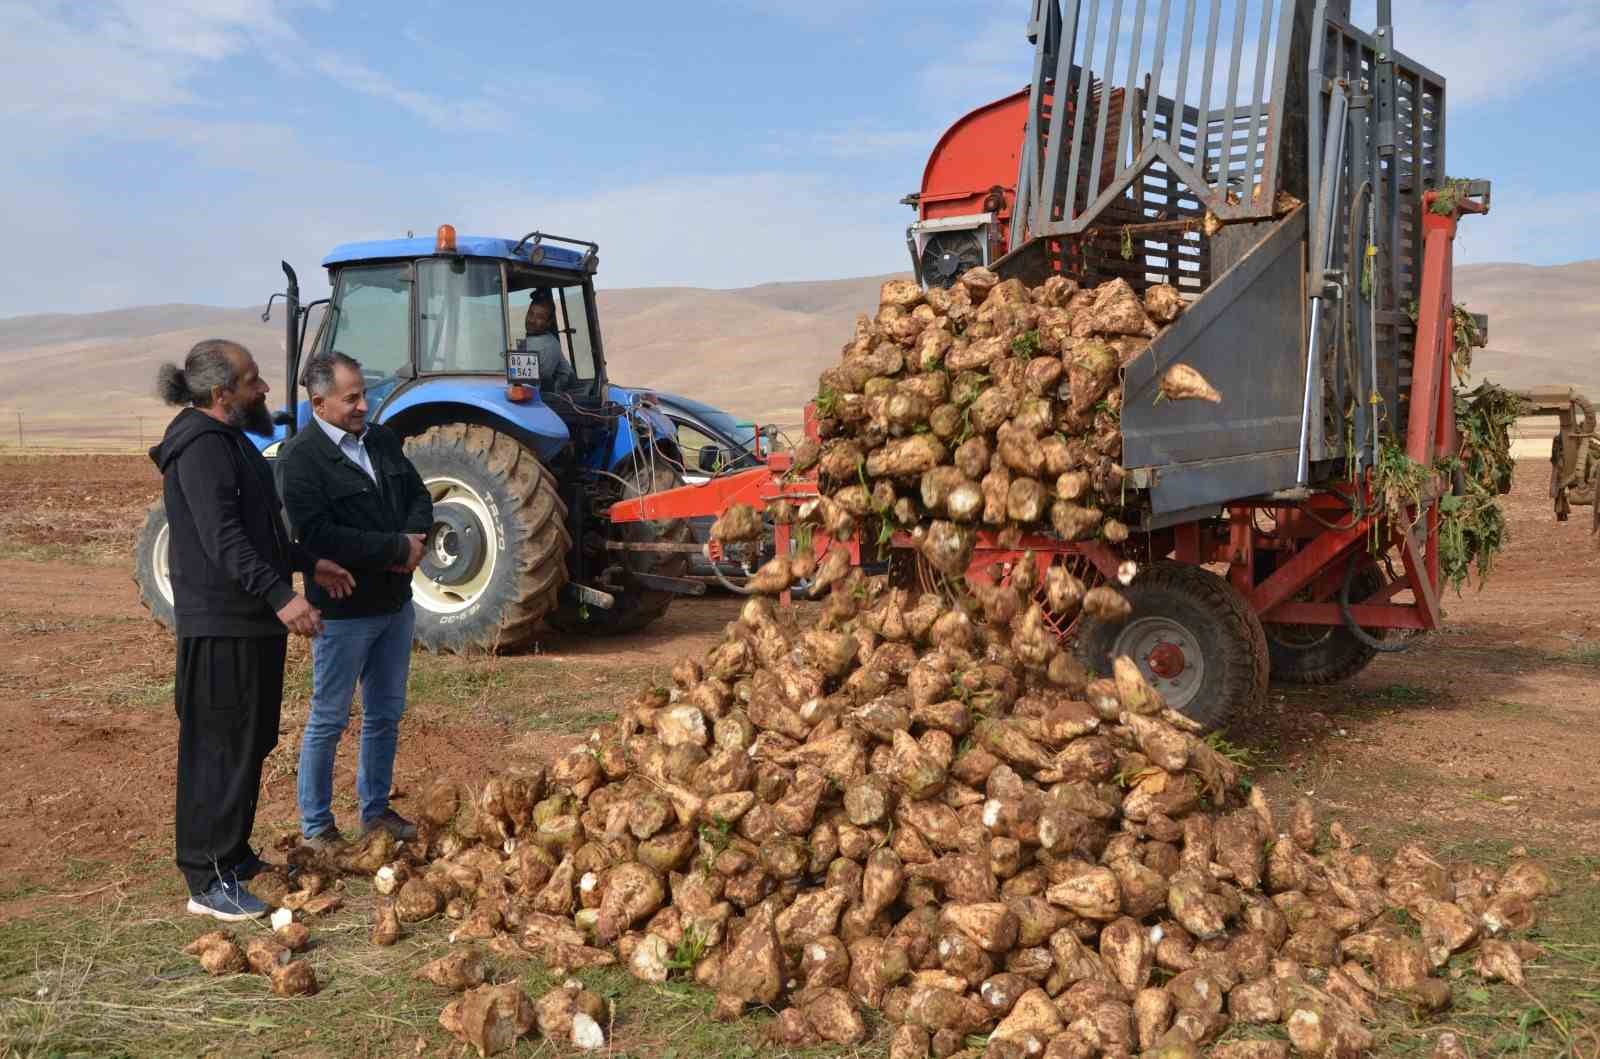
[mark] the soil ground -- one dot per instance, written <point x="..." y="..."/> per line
<point x="1478" y="742"/>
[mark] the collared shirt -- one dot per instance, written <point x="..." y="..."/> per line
<point x="353" y="446"/>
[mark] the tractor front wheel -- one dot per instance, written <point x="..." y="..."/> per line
<point x="1194" y="638"/>
<point x="496" y="557"/>
<point x="151" y="571"/>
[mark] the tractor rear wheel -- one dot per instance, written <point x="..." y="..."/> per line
<point x="151" y="571"/>
<point x="635" y="607"/>
<point x="1323" y="654"/>
<point x="496" y="556"/>
<point x="1194" y="638"/>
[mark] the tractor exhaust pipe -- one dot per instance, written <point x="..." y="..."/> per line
<point x="291" y="347"/>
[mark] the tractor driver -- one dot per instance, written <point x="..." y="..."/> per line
<point x="555" y="374"/>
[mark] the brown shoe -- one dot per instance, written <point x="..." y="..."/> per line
<point x="398" y="826"/>
<point x="329" y="841"/>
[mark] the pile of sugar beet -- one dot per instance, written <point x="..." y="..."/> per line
<point x="920" y="806"/>
<point x="987" y="404"/>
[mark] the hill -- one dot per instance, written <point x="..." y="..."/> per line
<point x="1544" y="323"/>
<point x="755" y="351"/>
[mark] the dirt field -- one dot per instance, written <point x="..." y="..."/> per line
<point x="1482" y="740"/>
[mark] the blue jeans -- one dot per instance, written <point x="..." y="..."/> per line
<point x="376" y="650"/>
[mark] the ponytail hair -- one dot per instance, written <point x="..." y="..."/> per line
<point x="210" y="364"/>
<point x="172" y="385"/>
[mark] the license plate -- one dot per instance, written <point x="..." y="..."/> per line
<point x="522" y="367"/>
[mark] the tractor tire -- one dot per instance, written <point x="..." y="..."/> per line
<point x="1323" y="654"/>
<point x="150" y="569"/>
<point x="1194" y="638"/>
<point x="496" y="557"/>
<point x="635" y="608"/>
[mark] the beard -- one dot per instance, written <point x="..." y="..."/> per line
<point x="254" y="418"/>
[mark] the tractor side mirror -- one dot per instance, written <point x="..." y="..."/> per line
<point x="710" y="459"/>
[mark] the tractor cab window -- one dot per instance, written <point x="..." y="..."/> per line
<point x="571" y="323"/>
<point x="462" y="326"/>
<point x="573" y="311"/>
<point x="372" y="319"/>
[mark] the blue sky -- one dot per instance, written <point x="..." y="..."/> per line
<point x="162" y="152"/>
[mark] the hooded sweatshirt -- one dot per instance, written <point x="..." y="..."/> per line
<point x="229" y="555"/>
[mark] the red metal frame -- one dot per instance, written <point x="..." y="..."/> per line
<point x="1318" y="537"/>
<point x="975" y="155"/>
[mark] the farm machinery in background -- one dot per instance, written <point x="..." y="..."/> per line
<point x="521" y="475"/>
<point x="1288" y="178"/>
<point x="1574" y="451"/>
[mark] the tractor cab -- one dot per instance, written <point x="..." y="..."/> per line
<point x="425" y="316"/>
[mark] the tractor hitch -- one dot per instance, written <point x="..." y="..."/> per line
<point x="682" y="586"/>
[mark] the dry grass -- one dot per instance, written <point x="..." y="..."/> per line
<point x="105" y="975"/>
<point x="102" y="973"/>
<point x="526" y="693"/>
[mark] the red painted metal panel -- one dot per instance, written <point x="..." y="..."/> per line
<point x="1241" y="557"/>
<point x="1367" y="616"/>
<point x="755" y="487"/>
<point x="1424" y="581"/>
<point x="979" y="152"/>
<point x="1307" y="564"/>
<point x="1430" y="370"/>
<point x="1186" y="542"/>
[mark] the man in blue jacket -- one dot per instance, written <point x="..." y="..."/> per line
<point x="352" y="495"/>
<point x="231" y="562"/>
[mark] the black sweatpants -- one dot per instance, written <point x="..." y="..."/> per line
<point x="229" y="690"/>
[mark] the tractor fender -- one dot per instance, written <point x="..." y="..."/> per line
<point x="433" y="402"/>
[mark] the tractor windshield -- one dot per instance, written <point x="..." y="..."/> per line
<point x="466" y="320"/>
<point x="373" y="320"/>
<point x="463" y="321"/>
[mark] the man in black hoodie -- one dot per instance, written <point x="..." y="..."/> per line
<point x="231" y="563"/>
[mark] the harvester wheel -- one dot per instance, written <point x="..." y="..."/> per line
<point x="635" y="607"/>
<point x="1323" y="654"/>
<point x="496" y="557"/>
<point x="1194" y="638"/>
<point x="150" y="570"/>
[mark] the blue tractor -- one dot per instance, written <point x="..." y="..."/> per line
<point x="523" y="465"/>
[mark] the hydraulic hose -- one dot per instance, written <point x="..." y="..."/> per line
<point x="1361" y="635"/>
<point x="716" y="568"/>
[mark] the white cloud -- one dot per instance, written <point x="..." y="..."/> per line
<point x="694" y="229"/>
<point x="855" y="142"/>
<point x="91" y="68"/>
<point x="125" y="66"/>
<point x="705" y="229"/>
<point x="474" y="115"/>
<point x="1538" y="230"/>
<point x="280" y="199"/>
<point x="992" y="60"/>
<point x="1489" y="51"/>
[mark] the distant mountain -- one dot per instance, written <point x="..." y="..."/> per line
<point x="755" y="351"/>
<point x="20" y="332"/>
<point x="1544" y="323"/>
